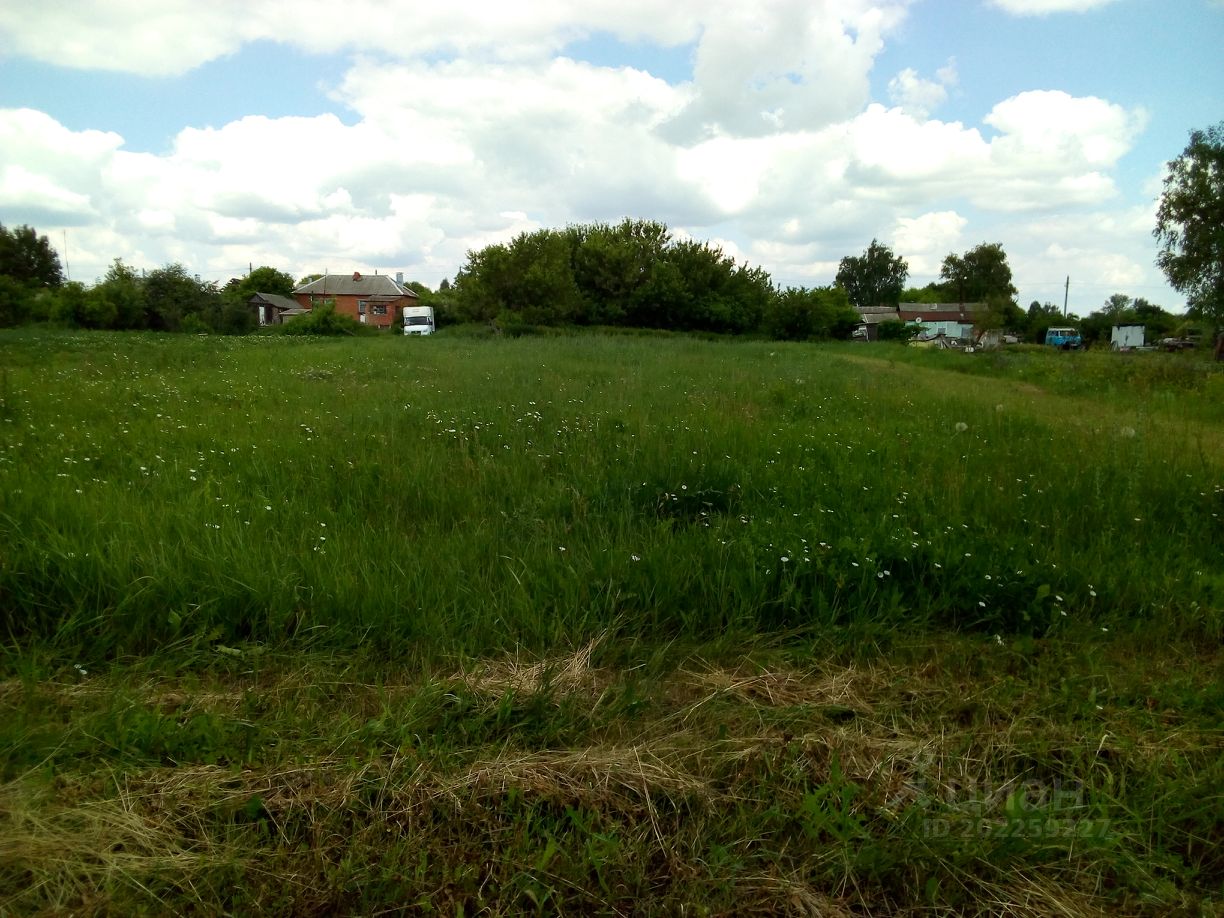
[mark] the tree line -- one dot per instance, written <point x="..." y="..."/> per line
<point x="631" y="274"/>
<point x="169" y="298"/>
<point x="636" y="273"/>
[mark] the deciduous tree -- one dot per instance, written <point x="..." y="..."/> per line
<point x="1190" y="225"/>
<point x="979" y="274"/>
<point x="28" y="258"/>
<point x="262" y="280"/>
<point x="875" y="278"/>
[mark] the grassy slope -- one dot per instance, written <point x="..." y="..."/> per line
<point x="601" y="626"/>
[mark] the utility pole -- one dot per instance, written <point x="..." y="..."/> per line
<point x="1066" y="294"/>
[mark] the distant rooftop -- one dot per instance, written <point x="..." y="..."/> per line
<point x="356" y="284"/>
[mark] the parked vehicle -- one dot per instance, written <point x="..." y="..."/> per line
<point x="1065" y="339"/>
<point x="1126" y="337"/>
<point x="418" y="320"/>
<point x="1179" y="344"/>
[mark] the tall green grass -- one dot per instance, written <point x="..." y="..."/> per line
<point x="467" y="496"/>
<point x="602" y="625"/>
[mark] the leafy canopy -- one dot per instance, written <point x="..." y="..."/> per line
<point x="875" y="278"/>
<point x="978" y="275"/>
<point x="28" y="258"/>
<point x="1190" y="223"/>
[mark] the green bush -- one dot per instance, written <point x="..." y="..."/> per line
<point x="323" y="320"/>
<point x="895" y="330"/>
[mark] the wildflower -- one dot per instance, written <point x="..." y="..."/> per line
<point x="998" y="640"/>
<point x="635" y="557"/>
<point x="961" y="426"/>
<point x="560" y="548"/>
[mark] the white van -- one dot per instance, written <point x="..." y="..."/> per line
<point x="418" y="320"/>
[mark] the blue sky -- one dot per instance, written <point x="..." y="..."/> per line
<point x="791" y="133"/>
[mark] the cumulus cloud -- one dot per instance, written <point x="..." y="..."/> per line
<point x="174" y="36"/>
<point x="783" y="65"/>
<point x="923" y="241"/>
<point x="1046" y="7"/>
<point x="917" y="96"/>
<point x="1058" y="129"/>
<point x="773" y="145"/>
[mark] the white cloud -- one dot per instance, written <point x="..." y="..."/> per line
<point x="174" y="36"/>
<point x="917" y="96"/>
<point x="783" y="65"/>
<point x="923" y="241"/>
<point x="1046" y="7"/>
<point x="1059" y="129"/>
<point x="35" y="198"/>
<point x="774" y="146"/>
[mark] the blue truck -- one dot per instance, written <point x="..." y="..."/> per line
<point x="1065" y="339"/>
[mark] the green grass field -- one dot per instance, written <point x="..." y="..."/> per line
<point x="607" y="625"/>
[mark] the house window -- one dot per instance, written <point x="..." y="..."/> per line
<point x="361" y="307"/>
<point x="380" y="310"/>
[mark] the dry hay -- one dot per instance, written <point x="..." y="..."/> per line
<point x="70" y="850"/>
<point x="850" y="687"/>
<point x="626" y="775"/>
<point x="568" y="674"/>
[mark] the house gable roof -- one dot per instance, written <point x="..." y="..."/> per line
<point x="921" y="312"/>
<point x="273" y="299"/>
<point x="356" y="284"/>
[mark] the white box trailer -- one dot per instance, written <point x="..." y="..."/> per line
<point x="418" y="320"/>
<point x="1126" y="337"/>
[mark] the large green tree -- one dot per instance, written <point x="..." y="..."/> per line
<point x="263" y="279"/>
<point x="1190" y="224"/>
<point x="28" y="258"/>
<point x="632" y="273"/>
<point x="800" y="314"/>
<point x="978" y="275"/>
<point x="173" y="295"/>
<point x="119" y="299"/>
<point x="875" y="278"/>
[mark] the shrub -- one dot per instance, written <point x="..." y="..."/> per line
<point x="895" y="330"/>
<point x="323" y="320"/>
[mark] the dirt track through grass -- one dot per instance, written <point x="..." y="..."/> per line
<point x="1093" y="416"/>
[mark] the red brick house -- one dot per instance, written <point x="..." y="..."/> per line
<point x="371" y="299"/>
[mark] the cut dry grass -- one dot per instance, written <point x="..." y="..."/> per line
<point x="757" y="788"/>
<point x="62" y="856"/>
<point x="566" y="674"/>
